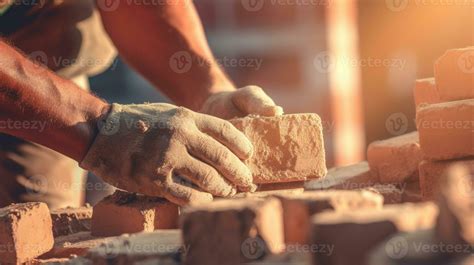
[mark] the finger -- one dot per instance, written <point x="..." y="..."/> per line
<point x="253" y="100"/>
<point x="206" y="177"/>
<point x="183" y="195"/>
<point x="224" y="132"/>
<point x="228" y="164"/>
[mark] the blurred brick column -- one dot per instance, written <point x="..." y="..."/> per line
<point x="344" y="76"/>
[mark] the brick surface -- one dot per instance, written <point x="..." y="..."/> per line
<point x="287" y="148"/>
<point x="232" y="231"/>
<point x="353" y="234"/>
<point x="74" y="244"/>
<point x="446" y="130"/>
<point x="25" y="232"/>
<point x="396" y="159"/>
<point x="455" y="224"/>
<point x="392" y="194"/>
<point x="157" y="247"/>
<point x="124" y="212"/>
<point x="454" y="73"/>
<point x="298" y="209"/>
<point x="411" y="191"/>
<point x="71" y="220"/>
<point x="344" y="178"/>
<point x="431" y="174"/>
<point x="425" y="92"/>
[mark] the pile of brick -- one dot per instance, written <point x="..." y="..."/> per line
<point x="414" y="189"/>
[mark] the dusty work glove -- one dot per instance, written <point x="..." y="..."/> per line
<point x="166" y="151"/>
<point x="240" y="103"/>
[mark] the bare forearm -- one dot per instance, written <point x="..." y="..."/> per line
<point x="151" y="37"/>
<point x="39" y="106"/>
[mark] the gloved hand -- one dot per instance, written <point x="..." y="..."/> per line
<point x="240" y="103"/>
<point x="172" y="152"/>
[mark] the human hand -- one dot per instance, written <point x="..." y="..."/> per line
<point x="240" y="103"/>
<point x="172" y="152"/>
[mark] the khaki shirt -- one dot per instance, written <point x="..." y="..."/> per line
<point x="66" y="35"/>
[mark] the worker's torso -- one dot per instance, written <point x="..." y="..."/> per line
<point x="68" y="32"/>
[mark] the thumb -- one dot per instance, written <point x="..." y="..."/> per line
<point x="253" y="100"/>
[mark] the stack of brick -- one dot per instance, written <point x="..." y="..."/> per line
<point x="452" y="237"/>
<point x="124" y="212"/>
<point x="445" y="114"/>
<point x="71" y="220"/>
<point x="233" y="231"/>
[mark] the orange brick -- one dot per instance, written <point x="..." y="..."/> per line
<point x="287" y="148"/>
<point x="396" y="159"/>
<point x="232" y="231"/>
<point x="142" y="214"/>
<point x="454" y="73"/>
<point x="25" y="232"/>
<point x="353" y="234"/>
<point x="71" y="220"/>
<point x="298" y="209"/>
<point x="426" y="92"/>
<point x="74" y="244"/>
<point x="446" y="130"/>
<point x="350" y="177"/>
<point x="431" y="174"/>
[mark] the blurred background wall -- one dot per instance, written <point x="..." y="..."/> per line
<point x="352" y="62"/>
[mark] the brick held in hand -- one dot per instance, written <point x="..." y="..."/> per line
<point x="455" y="224"/>
<point x="287" y="148"/>
<point x="446" y="130"/>
<point x="350" y="177"/>
<point x="298" y="209"/>
<point x="353" y="234"/>
<point x="396" y="159"/>
<point x="232" y="232"/>
<point x="454" y="74"/>
<point x="25" y="232"/>
<point x="432" y="173"/>
<point x="68" y="221"/>
<point x="124" y="212"/>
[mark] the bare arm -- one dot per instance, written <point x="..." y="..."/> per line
<point x="37" y="105"/>
<point x="149" y="36"/>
